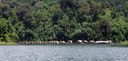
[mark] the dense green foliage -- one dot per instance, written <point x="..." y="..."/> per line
<point x="45" y="20"/>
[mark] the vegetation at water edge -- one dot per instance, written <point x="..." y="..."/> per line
<point x="45" y="20"/>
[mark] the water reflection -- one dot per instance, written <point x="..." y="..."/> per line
<point x="63" y="53"/>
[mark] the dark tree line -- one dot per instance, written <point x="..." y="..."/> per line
<point x="45" y="20"/>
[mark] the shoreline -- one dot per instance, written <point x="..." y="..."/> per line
<point x="53" y="44"/>
<point x="9" y="44"/>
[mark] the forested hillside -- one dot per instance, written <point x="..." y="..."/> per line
<point x="45" y="20"/>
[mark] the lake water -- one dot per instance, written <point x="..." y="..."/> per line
<point x="87" y="52"/>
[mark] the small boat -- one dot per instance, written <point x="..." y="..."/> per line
<point x="103" y="42"/>
<point x="80" y="41"/>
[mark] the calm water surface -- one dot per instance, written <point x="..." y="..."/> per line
<point x="63" y="53"/>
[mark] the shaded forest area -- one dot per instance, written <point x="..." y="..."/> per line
<point x="45" y="20"/>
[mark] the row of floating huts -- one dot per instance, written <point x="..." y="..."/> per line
<point x="68" y="42"/>
<point x="46" y="42"/>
